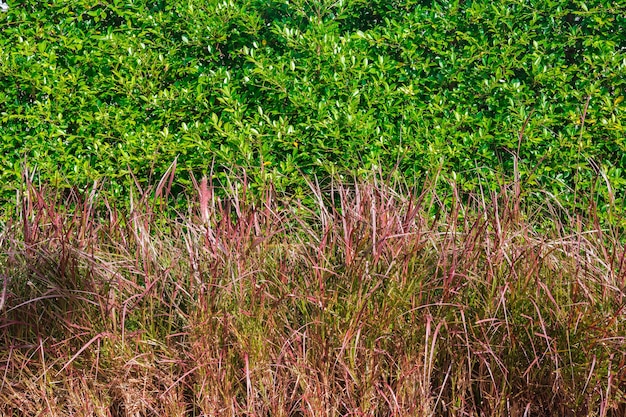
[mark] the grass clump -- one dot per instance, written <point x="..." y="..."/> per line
<point x="377" y="301"/>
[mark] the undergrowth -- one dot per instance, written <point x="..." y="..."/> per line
<point x="377" y="301"/>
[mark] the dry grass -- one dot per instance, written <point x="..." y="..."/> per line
<point x="378" y="301"/>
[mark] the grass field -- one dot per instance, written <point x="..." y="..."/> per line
<point x="379" y="300"/>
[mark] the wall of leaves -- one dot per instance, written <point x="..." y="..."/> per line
<point x="92" y="90"/>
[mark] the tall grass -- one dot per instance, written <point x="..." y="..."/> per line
<point x="377" y="301"/>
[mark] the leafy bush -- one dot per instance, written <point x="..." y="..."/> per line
<point x="92" y="90"/>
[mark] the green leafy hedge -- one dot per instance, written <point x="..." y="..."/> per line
<point x="95" y="89"/>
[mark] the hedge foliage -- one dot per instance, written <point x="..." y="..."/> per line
<point x="98" y="89"/>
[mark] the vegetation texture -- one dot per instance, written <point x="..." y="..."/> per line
<point x="373" y="309"/>
<point x="312" y="208"/>
<point x="92" y="90"/>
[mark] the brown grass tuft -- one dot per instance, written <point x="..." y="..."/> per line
<point x="377" y="300"/>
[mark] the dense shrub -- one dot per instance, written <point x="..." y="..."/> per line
<point x="98" y="89"/>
